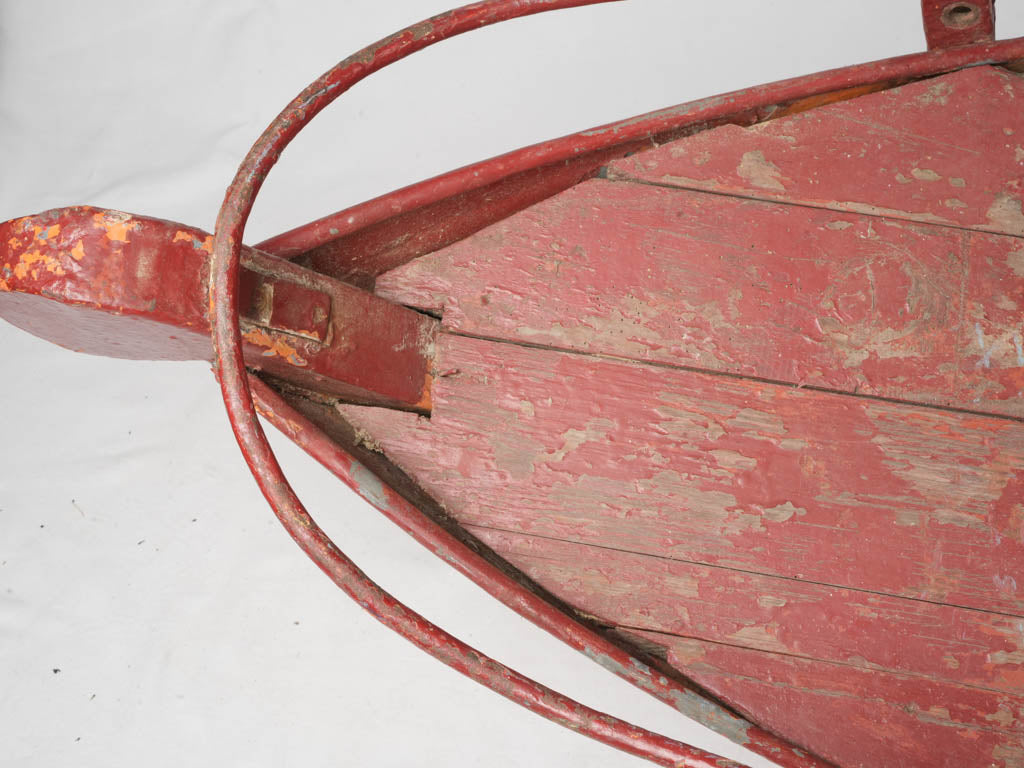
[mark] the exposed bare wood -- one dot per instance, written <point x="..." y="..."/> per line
<point x="949" y="150"/>
<point x="820" y="487"/>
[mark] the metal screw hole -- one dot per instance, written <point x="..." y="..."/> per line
<point x="960" y="15"/>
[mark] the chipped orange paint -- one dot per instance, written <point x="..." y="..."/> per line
<point x="120" y="263"/>
<point x="200" y="245"/>
<point x="117" y="226"/>
<point x="46" y="233"/>
<point x="29" y="260"/>
<point x="812" y="102"/>
<point x="274" y="347"/>
<point x="426" y="402"/>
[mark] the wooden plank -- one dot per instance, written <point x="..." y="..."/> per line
<point x="844" y="491"/>
<point x="865" y="630"/>
<point x="991" y="371"/>
<point x="785" y="293"/>
<point x="948" y="150"/>
<point x="858" y="718"/>
<point x="359" y="256"/>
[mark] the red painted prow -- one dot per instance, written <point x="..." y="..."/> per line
<point x="115" y="284"/>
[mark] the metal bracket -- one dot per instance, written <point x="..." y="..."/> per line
<point x="947" y="24"/>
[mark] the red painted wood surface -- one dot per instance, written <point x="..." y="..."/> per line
<point x="373" y="231"/>
<point x="111" y="283"/>
<point x="868" y="630"/>
<point x="780" y="292"/>
<point x="236" y="390"/>
<point x="949" y="150"/>
<point x="860" y="537"/>
<point x="318" y="429"/>
<point x="278" y="302"/>
<point x="359" y="257"/>
<point x="854" y="549"/>
<point x="842" y="491"/>
<point x="859" y="718"/>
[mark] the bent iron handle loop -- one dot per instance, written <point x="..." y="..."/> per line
<point x="300" y="525"/>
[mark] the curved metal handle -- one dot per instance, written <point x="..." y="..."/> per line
<point x="300" y="525"/>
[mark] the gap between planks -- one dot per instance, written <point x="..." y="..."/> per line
<point x="902" y="673"/>
<point x="760" y="574"/>
<point x="723" y="374"/>
<point x="619" y="177"/>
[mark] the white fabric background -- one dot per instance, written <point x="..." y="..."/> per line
<point x="136" y="555"/>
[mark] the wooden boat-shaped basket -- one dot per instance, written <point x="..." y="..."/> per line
<point x="727" y="397"/>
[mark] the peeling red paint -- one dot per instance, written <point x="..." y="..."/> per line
<point x="104" y="266"/>
<point x="689" y="466"/>
<point x="366" y="240"/>
<point x="944" y="645"/>
<point x="902" y="153"/>
<point x="786" y="293"/>
<point x="888" y="719"/>
<point x="739" y="512"/>
<point x="224" y="282"/>
<point x="766" y="456"/>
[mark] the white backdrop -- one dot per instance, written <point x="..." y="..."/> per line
<point x="152" y="612"/>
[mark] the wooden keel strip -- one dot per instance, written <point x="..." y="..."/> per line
<point x="805" y="485"/>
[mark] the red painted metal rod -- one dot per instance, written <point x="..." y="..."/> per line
<point x="262" y="462"/>
<point x="712" y="110"/>
<point x="449" y="649"/>
<point x="503" y="587"/>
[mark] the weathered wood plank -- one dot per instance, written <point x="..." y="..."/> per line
<point x="860" y="629"/>
<point x="991" y="372"/>
<point x="809" y="485"/>
<point x="358" y="257"/>
<point x="786" y="293"/>
<point x="858" y="718"/>
<point x="948" y="150"/>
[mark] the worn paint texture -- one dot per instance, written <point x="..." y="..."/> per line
<point x="727" y="472"/>
<point x="964" y="648"/>
<point x="946" y="150"/>
<point x="811" y="558"/>
<point x="859" y="536"/>
<point x="787" y="293"/>
<point x="855" y="302"/>
<point x="859" y="718"/>
<point x="749" y="473"/>
<point x="723" y="520"/>
<point x="112" y="283"/>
